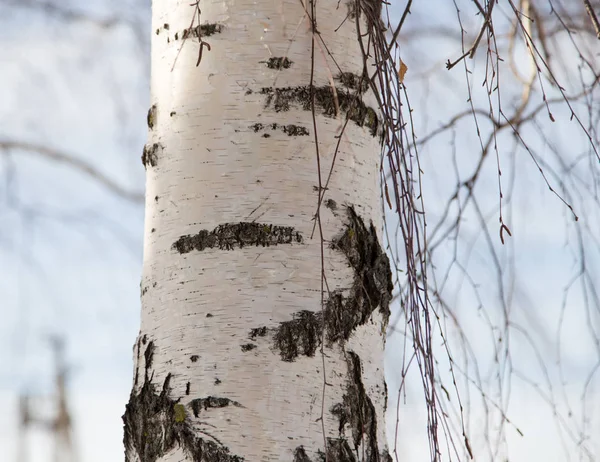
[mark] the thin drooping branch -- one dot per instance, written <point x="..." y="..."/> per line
<point x="593" y="17"/>
<point x="75" y="163"/>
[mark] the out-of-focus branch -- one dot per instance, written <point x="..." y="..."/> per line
<point x="593" y="17"/>
<point x="74" y="162"/>
<point x="71" y="15"/>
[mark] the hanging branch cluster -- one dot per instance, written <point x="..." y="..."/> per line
<point x="423" y="307"/>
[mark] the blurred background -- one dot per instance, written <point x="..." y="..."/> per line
<point x="74" y="92"/>
<point x="522" y="319"/>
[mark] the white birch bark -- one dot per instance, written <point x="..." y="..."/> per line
<point x="228" y="364"/>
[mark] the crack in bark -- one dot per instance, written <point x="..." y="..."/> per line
<point x="232" y="235"/>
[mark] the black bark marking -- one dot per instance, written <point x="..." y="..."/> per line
<point x="155" y="424"/>
<point x="295" y="130"/>
<point x="300" y="455"/>
<point x="331" y="204"/>
<point x="150" y="154"/>
<point x="194" y="358"/>
<point x="281" y="99"/>
<point x="353" y="81"/>
<point x="149" y="419"/>
<point x="258" y="332"/>
<point x="232" y="235"/>
<point x="211" y="402"/>
<point x="187" y="388"/>
<point x="345" y="310"/>
<point x="338" y="450"/>
<point x="289" y="129"/>
<point x="204" y="30"/>
<point x="357" y="410"/>
<point x="372" y="286"/>
<point x="248" y="346"/>
<point x="300" y="336"/>
<point x="149" y="356"/>
<point x="278" y="63"/>
<point x="151" y="117"/>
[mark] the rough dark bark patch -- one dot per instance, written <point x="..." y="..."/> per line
<point x="155" y="424"/>
<point x="150" y="154"/>
<point x="232" y="235"/>
<point x="345" y="310"/>
<point x="300" y="455"/>
<point x="294" y="130"/>
<point x="353" y="81"/>
<point x="203" y="30"/>
<point x="289" y="129"/>
<point x="278" y="63"/>
<point x="248" y="346"/>
<point x="357" y="411"/>
<point x="300" y="336"/>
<point x="331" y="204"/>
<point x="372" y="285"/>
<point x="281" y="99"/>
<point x="151" y="117"/>
<point x="209" y="402"/>
<point x="338" y="450"/>
<point x="258" y="332"/>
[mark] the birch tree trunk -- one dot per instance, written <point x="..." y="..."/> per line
<point x="263" y="321"/>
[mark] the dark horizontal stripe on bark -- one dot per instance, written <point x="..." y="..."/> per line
<point x="281" y="99"/>
<point x="232" y="235"/>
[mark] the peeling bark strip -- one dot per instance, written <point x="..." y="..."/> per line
<point x="231" y="235"/>
<point x="155" y="424"/>
<point x="344" y="311"/>
<point x="150" y="154"/>
<point x="280" y="99"/>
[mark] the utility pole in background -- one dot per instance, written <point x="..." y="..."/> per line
<point x="59" y="424"/>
